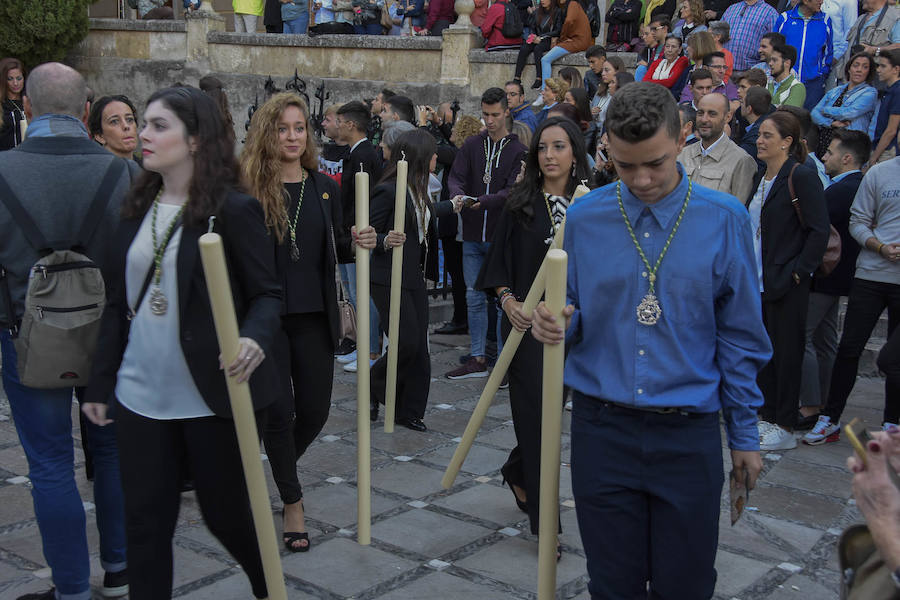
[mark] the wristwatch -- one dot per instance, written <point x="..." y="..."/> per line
<point x="877" y="51"/>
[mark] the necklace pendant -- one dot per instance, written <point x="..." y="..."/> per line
<point x="159" y="304"/>
<point x="295" y="251"/>
<point x="649" y="311"/>
<point x="486" y="179"/>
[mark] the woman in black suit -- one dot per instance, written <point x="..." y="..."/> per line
<point x="302" y="208"/>
<point x="419" y="243"/>
<point x="158" y="359"/>
<point x="790" y="232"/>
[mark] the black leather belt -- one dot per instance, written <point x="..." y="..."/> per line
<point x="661" y="410"/>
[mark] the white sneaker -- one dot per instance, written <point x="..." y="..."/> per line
<point x="763" y="427"/>
<point x="777" y="438"/>
<point x="538" y="102"/>
<point x="352" y="367"/>
<point x="347" y="358"/>
<point x="823" y="431"/>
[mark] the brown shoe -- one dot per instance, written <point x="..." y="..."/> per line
<point x="472" y="368"/>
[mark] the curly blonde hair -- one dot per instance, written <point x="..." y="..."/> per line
<point x="465" y="127"/>
<point x="558" y="86"/>
<point x="261" y="159"/>
<point x="696" y="8"/>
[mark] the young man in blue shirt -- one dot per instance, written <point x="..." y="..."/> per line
<point x="662" y="340"/>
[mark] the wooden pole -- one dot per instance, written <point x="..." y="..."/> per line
<point x="23" y="127"/>
<point x="363" y="392"/>
<point x="551" y="429"/>
<point x="390" y="394"/>
<point x="510" y="345"/>
<point x="213" y="257"/>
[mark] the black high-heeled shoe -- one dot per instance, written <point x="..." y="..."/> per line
<point x="289" y="538"/>
<point x="504" y="471"/>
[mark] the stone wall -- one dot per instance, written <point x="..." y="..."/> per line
<point x="139" y="57"/>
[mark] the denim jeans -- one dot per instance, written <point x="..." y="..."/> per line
<point x="477" y="302"/>
<point x="368" y="29"/>
<point x="297" y="25"/>
<point x="547" y="62"/>
<point x="815" y="90"/>
<point x="43" y="420"/>
<point x="348" y="277"/>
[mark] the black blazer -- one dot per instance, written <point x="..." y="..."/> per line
<point x="839" y="197"/>
<point x="370" y="158"/>
<point x="257" y="301"/>
<point x="788" y="247"/>
<point x="417" y="263"/>
<point x="328" y="195"/>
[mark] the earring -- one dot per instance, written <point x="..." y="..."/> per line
<point x="782" y="147"/>
<point x="573" y="168"/>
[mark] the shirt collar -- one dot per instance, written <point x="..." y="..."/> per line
<point x="53" y="125"/>
<point x="708" y="151"/>
<point x="353" y="147"/>
<point x="664" y="211"/>
<point x="837" y="178"/>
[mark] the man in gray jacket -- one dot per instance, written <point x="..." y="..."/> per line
<point x="717" y="162"/>
<point x="55" y="174"/>
<point x="875" y="225"/>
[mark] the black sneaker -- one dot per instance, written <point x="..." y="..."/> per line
<point x="451" y="328"/>
<point x="504" y="383"/>
<point x="346" y="347"/>
<point x="115" y="585"/>
<point x="806" y="423"/>
<point x="48" y="595"/>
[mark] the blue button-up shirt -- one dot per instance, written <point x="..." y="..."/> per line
<point x="709" y="344"/>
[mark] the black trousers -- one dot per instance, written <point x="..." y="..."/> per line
<point x="538" y="50"/>
<point x="152" y="457"/>
<point x="413" y="361"/>
<point x="526" y="378"/>
<point x="867" y="301"/>
<point x="647" y="489"/>
<point x="779" y="380"/>
<point x="453" y="264"/>
<point x="305" y="358"/>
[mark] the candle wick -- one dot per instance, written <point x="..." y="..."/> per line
<point x="402" y="155"/>
<point x="361" y="168"/>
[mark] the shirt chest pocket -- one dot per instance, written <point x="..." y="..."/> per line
<point x="686" y="301"/>
<point x="715" y="175"/>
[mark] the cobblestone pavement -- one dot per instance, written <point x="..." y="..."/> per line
<point x="468" y="542"/>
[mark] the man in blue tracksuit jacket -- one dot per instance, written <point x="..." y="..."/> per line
<point x="809" y="30"/>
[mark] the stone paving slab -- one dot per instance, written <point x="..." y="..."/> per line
<point x="481" y="541"/>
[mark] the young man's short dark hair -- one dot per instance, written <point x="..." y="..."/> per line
<point x="787" y="52"/>
<point x="756" y="77"/>
<point x="518" y="84"/>
<point x="698" y="74"/>
<point x="595" y="52"/>
<point x="775" y="38"/>
<point x="357" y="113"/>
<point x="707" y="60"/>
<point x="856" y="143"/>
<point x="759" y="100"/>
<point x="403" y="106"/>
<point x="892" y="56"/>
<point x="688" y="114"/>
<point x="386" y="93"/>
<point x="493" y="96"/>
<point x="638" y="111"/>
<point x="662" y="20"/>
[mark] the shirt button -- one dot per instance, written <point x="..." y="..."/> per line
<point x="646" y="234"/>
<point x="643" y="273"/>
<point x="640" y="390"/>
<point x="641" y="352"/>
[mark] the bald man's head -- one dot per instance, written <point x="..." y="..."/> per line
<point x="54" y="88"/>
<point x="713" y="111"/>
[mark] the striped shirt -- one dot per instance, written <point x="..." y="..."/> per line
<point x="749" y="22"/>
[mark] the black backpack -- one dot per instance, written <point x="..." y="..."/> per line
<point x="512" y="21"/>
<point x="593" y="14"/>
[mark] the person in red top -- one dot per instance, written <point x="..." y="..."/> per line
<point x="667" y="69"/>
<point x="492" y="29"/>
<point x="441" y="15"/>
<point x="575" y="35"/>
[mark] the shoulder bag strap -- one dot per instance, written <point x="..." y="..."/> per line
<point x="101" y="201"/>
<point x="794" y="200"/>
<point x="22" y="218"/>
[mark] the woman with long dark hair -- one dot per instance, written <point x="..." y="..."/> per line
<point x="302" y="208"/>
<point x="542" y="21"/>
<point x="848" y="106"/>
<point x="112" y="123"/>
<point x="789" y="240"/>
<point x="157" y="360"/>
<point x="418" y="242"/>
<point x="12" y="87"/>
<point x="556" y="163"/>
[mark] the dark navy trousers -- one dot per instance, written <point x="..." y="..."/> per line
<point x="647" y="490"/>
